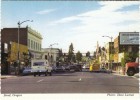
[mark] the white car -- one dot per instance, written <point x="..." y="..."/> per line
<point x="85" y="66"/>
<point x="41" y="67"/>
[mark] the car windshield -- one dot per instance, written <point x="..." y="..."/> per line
<point x="38" y="64"/>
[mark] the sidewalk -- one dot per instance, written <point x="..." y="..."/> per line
<point x="120" y="74"/>
<point x="7" y="76"/>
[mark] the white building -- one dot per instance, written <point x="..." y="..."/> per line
<point x="50" y="54"/>
<point x="34" y="43"/>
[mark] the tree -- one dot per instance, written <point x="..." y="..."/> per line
<point x="78" y="56"/>
<point x="99" y="50"/>
<point x="74" y="59"/>
<point x="88" y="54"/>
<point x="122" y="62"/>
<point x="25" y="58"/>
<point x="94" y="54"/>
<point x="103" y="48"/>
<point x="70" y="53"/>
<point x="129" y="57"/>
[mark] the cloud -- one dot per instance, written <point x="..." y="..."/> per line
<point x="45" y="11"/>
<point x="107" y="20"/>
<point x="107" y="8"/>
<point x="65" y="20"/>
<point x="113" y="5"/>
<point x="105" y="17"/>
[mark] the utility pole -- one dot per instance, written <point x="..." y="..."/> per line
<point x="18" y="49"/>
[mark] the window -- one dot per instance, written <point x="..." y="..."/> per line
<point x="40" y="46"/>
<point x="34" y="44"/>
<point x="29" y="43"/>
<point x="37" y="46"/>
<point x="46" y="57"/>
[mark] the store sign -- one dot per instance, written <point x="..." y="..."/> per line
<point x="129" y="38"/>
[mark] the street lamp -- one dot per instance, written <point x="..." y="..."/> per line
<point x="19" y="23"/>
<point x="110" y="51"/>
<point x="51" y="51"/>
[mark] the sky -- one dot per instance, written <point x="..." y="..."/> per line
<point x="82" y="23"/>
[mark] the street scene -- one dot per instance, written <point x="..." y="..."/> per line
<point x="69" y="47"/>
<point x="74" y="82"/>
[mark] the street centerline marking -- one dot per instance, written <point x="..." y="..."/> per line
<point x="40" y="80"/>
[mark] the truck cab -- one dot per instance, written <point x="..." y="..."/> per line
<point x="41" y="66"/>
<point x="132" y="67"/>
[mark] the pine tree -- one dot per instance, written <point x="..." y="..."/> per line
<point x="78" y="56"/>
<point x="70" y="53"/>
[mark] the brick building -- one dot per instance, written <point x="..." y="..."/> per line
<point x="27" y="37"/>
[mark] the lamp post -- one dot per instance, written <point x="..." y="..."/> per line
<point x="110" y="51"/>
<point x="18" y="59"/>
<point x="51" y="52"/>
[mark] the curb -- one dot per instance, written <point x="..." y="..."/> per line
<point x="5" y="77"/>
<point x="135" y="76"/>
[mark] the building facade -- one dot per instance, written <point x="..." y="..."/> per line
<point x="51" y="54"/>
<point x="28" y="38"/>
<point x="34" y="42"/>
<point x="126" y="42"/>
<point x="109" y="48"/>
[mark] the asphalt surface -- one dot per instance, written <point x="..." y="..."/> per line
<point x="77" y="82"/>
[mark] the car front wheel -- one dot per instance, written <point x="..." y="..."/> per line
<point x="34" y="74"/>
<point x="130" y="72"/>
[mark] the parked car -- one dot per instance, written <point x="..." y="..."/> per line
<point x="104" y="70"/>
<point x="27" y="71"/>
<point x="85" y="66"/>
<point x="72" y="67"/>
<point x="59" y="69"/>
<point x="67" y="68"/>
<point x="53" y="68"/>
<point x="78" y="67"/>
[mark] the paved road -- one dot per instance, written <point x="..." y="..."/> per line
<point x="71" y="83"/>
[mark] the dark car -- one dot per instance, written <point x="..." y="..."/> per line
<point x="78" y="67"/>
<point x="59" y="69"/>
<point x="27" y="71"/>
<point x="75" y="67"/>
<point x="53" y="68"/>
<point x="72" y="67"/>
<point x="103" y="70"/>
<point x="67" y="68"/>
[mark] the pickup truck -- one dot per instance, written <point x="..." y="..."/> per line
<point x="41" y="67"/>
<point x="132" y="68"/>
